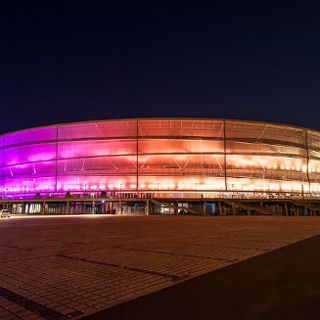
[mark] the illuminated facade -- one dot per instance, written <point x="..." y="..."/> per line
<point x="170" y="158"/>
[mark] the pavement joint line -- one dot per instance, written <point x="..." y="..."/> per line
<point x="35" y="307"/>
<point x="114" y="265"/>
<point x="181" y="254"/>
<point x="68" y="242"/>
<point x="27" y="259"/>
<point x="14" y="247"/>
<point x="227" y="247"/>
<point x="8" y="310"/>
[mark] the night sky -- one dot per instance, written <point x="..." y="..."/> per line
<point x="80" y="60"/>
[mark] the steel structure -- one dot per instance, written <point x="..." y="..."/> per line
<point x="169" y="158"/>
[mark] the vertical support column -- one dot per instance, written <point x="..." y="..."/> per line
<point x="286" y="208"/>
<point x="4" y="162"/>
<point x="219" y="209"/>
<point x="42" y="204"/>
<point x="56" y="159"/>
<point x="225" y="155"/>
<point x="137" y="157"/>
<point x="147" y="207"/>
<point x="204" y="207"/>
<point x="111" y="207"/>
<point x="67" y="207"/>
<point x="233" y="209"/>
<point x="307" y="148"/>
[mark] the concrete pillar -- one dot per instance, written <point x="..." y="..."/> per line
<point x="43" y="205"/>
<point x="286" y="209"/>
<point x="204" y="208"/>
<point x="219" y="208"/>
<point x="93" y="207"/>
<point x="67" y="207"/>
<point x="147" y="207"/>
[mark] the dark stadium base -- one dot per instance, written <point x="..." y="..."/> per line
<point x="129" y="206"/>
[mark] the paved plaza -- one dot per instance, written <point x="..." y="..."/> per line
<point x="68" y="267"/>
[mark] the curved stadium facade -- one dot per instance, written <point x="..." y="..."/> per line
<point x="161" y="158"/>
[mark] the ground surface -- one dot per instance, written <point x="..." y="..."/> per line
<point x="279" y="285"/>
<point x="62" y="268"/>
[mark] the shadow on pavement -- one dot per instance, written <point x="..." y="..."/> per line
<point x="282" y="284"/>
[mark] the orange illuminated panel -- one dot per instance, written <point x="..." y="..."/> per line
<point x="100" y="129"/>
<point x="181" y="128"/>
<point x="182" y="146"/>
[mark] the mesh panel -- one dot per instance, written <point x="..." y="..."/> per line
<point x="178" y="128"/>
<point x="102" y="129"/>
<point x="30" y="136"/>
<point x="95" y="148"/>
<point x="31" y="170"/>
<point x="30" y="153"/>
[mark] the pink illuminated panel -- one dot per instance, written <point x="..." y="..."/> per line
<point x="96" y="148"/>
<point x="30" y="136"/>
<point x="97" y="166"/>
<point x="30" y="153"/>
<point x="97" y="183"/>
<point x="29" y="185"/>
<point x="1" y="152"/>
<point x="30" y="170"/>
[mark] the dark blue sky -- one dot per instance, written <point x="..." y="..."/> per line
<point x="79" y="60"/>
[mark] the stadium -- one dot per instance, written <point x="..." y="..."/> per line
<point x="166" y="165"/>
